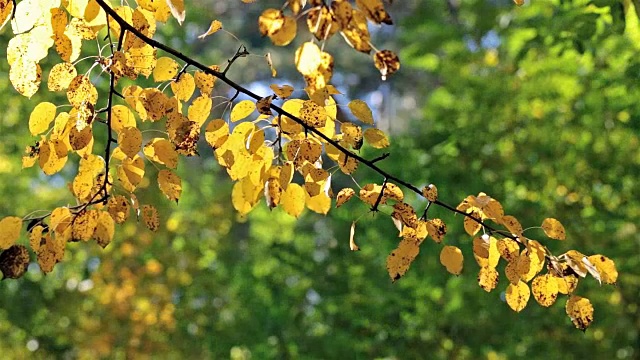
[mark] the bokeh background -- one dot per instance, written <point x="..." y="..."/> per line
<point x="535" y="105"/>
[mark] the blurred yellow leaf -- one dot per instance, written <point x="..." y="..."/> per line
<point x="387" y="62"/>
<point x="293" y="200"/>
<point x="606" y="267"/>
<point x="60" y="76"/>
<point x="25" y="76"/>
<point x="376" y="138"/>
<point x="177" y="9"/>
<point x="130" y="141"/>
<point x="213" y="28"/>
<point x="10" y="227"/>
<point x="430" y="192"/>
<point x="307" y="58"/>
<point x="150" y="217"/>
<point x="451" y="258"/>
<point x="105" y="229"/>
<point x="170" y="184"/>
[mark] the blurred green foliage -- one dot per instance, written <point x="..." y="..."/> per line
<point x="537" y="106"/>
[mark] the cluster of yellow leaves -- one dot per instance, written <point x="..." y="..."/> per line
<point x="323" y="21"/>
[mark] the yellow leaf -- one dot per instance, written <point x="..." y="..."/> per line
<point x="213" y="28"/>
<point x="488" y="278"/>
<point x="10" y="227"/>
<point x="35" y="237"/>
<point x="375" y="11"/>
<point x="283" y="91"/>
<point x="25" y="76"/>
<point x="245" y="196"/>
<point x="545" y="289"/>
<point x="61" y="219"/>
<point x="131" y="172"/>
<point x="485" y="251"/>
<point x="170" y="184"/>
<point x="580" y="311"/>
<point x="517" y="296"/>
<point x="104" y="230"/>
<point x="430" y="192"/>
<point x="166" y="69"/>
<point x="50" y="252"/>
<point x="451" y="258"/>
<point x="405" y="213"/>
<point x="150" y="217"/>
<point x="606" y="267"/>
<point x="320" y="203"/>
<point x="6" y="10"/>
<point x="509" y="249"/>
<point x="343" y="196"/>
<point x="356" y="32"/>
<point x="241" y="110"/>
<point x="512" y="224"/>
<point x="307" y="58"/>
<point x="52" y="157"/>
<point x="376" y="138"/>
<point x="177" y="9"/>
<point x="293" y="200"/>
<point x="312" y="114"/>
<point x="121" y="117"/>
<point x="471" y="226"/>
<point x="199" y="110"/>
<point x="130" y="141"/>
<point x="84" y="225"/>
<point x="322" y="23"/>
<point x="61" y="76"/>
<point x="387" y="62"/>
<point x="352" y="134"/>
<point x="184" y="87"/>
<point x="41" y="117"/>
<point x="301" y="151"/>
<point x="437" y="229"/>
<point x="118" y="207"/>
<point x="347" y="164"/>
<point x="81" y="90"/>
<point x="553" y="229"/>
<point x="216" y="133"/>
<point x="400" y="259"/>
<point x="285" y="33"/>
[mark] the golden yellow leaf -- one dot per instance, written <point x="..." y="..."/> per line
<point x="121" y="117"/>
<point x="177" y="9"/>
<point x="451" y="258"/>
<point x="270" y="21"/>
<point x="283" y="91"/>
<point x="553" y="229"/>
<point x="154" y="102"/>
<point x="343" y="12"/>
<point x="41" y="117"/>
<point x="6" y="10"/>
<point x="241" y="110"/>
<point x="79" y="138"/>
<point x="131" y="172"/>
<point x="130" y="141"/>
<point x="567" y="283"/>
<point x="53" y="156"/>
<point x="142" y="59"/>
<point x="216" y="133"/>
<point x="352" y="134"/>
<point x="347" y="164"/>
<point x="405" y="213"/>
<point x="10" y="227"/>
<point x="245" y="196"/>
<point x="488" y="278"/>
<point x="35" y="237"/>
<point x="199" y="110"/>
<point x="272" y="192"/>
<point x="293" y="200"/>
<point x="84" y="225"/>
<point x="375" y="11"/>
<point x="286" y="33"/>
<point x="184" y="87"/>
<point x="213" y="28"/>
<point x="205" y="82"/>
<point x="518" y="2"/>
<point x="105" y="229"/>
<point x="264" y="105"/>
<point x="50" y="252"/>
<point x="509" y="249"/>
<point x="511" y="272"/>
<point x="119" y="208"/>
<point x="356" y="32"/>
<point x="517" y="296"/>
<point x="60" y="76"/>
<point x="312" y="114"/>
<point x="343" y="196"/>
<point x="512" y="224"/>
<point x="25" y="76"/>
<point x="376" y="138"/>
<point x="150" y="217"/>
<point x="160" y="9"/>
<point x="606" y="267"/>
<point x="437" y="229"/>
<point x="320" y="203"/>
<point x="81" y="90"/>
<point x="471" y="226"/>
<point x="485" y="251"/>
<point x="60" y="219"/>
<point x="400" y="259"/>
<point x="321" y="23"/>
<point x="545" y="289"/>
<point x="170" y="184"/>
<point x="580" y="311"/>
<point x="430" y="192"/>
<point x="307" y="58"/>
<point x="301" y="151"/>
<point x="387" y="62"/>
<point x="166" y="69"/>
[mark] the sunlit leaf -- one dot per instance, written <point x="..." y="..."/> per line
<point x="170" y="184"/>
<point x="376" y="138"/>
<point x="545" y="289"/>
<point x="241" y="110"/>
<point x="553" y="229"/>
<point x="488" y="278"/>
<point x="293" y="200"/>
<point x="166" y="69"/>
<point x="41" y="117"/>
<point x="10" y="227"/>
<point x="213" y="28"/>
<point x="517" y="296"/>
<point x="451" y="258"/>
<point x="580" y="311"/>
<point x="606" y="267"/>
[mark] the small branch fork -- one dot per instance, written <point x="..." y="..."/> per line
<point x="241" y="52"/>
